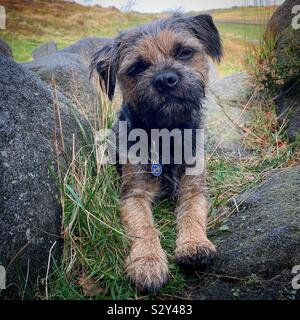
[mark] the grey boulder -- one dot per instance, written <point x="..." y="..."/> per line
<point x="288" y="108"/>
<point x="30" y="211"/>
<point x="213" y="75"/>
<point x="233" y="90"/>
<point x="257" y="253"/>
<point x="282" y="17"/>
<point x="85" y="48"/>
<point x="44" y="50"/>
<point x="288" y="56"/>
<point x="226" y="114"/>
<point x="68" y="69"/>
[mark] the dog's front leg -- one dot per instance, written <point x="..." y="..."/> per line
<point x="146" y="264"/>
<point x="192" y="246"/>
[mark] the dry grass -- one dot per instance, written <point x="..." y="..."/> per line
<point x="234" y="55"/>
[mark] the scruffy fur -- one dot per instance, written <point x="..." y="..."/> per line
<point x="180" y="45"/>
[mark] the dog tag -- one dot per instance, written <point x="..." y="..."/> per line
<point x="156" y="169"/>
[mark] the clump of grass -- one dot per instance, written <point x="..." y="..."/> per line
<point x="268" y="139"/>
<point x="268" y="72"/>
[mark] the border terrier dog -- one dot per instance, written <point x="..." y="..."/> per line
<point x="162" y="71"/>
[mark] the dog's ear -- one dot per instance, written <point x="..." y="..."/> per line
<point x="102" y="62"/>
<point x="203" y="28"/>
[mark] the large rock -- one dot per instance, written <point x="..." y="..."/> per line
<point x="258" y="252"/>
<point x="227" y="114"/>
<point x="288" y="101"/>
<point x="233" y="90"/>
<point x="44" y="50"/>
<point x="5" y="49"/>
<point x="282" y="17"/>
<point x="30" y="212"/>
<point x="69" y="69"/>
<point x="86" y="47"/>
<point x="288" y="108"/>
<point x="288" y="56"/>
<point x="213" y="75"/>
<point x="67" y="72"/>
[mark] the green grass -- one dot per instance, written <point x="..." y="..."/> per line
<point x="248" y="32"/>
<point x="22" y="48"/>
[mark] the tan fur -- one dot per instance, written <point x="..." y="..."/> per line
<point x="154" y="49"/>
<point x="147" y="264"/>
<point x="192" y="212"/>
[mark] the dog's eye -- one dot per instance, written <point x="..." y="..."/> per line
<point x="185" y="53"/>
<point x="137" y="68"/>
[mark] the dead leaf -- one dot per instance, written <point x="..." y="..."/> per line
<point x="221" y="197"/>
<point x="247" y="130"/>
<point x="293" y="162"/>
<point x="269" y="115"/>
<point x="281" y="144"/>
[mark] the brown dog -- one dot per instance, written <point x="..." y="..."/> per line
<point x="162" y="71"/>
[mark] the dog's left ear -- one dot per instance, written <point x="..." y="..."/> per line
<point x="203" y="27"/>
<point x="102" y="62"/>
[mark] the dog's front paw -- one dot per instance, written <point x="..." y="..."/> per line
<point x="148" y="272"/>
<point x="195" y="254"/>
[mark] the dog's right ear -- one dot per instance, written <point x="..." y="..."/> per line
<point x="102" y="62"/>
<point x="203" y="28"/>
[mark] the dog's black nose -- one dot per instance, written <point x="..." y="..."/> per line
<point x="166" y="81"/>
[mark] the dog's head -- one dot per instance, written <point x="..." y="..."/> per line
<point x="161" y="67"/>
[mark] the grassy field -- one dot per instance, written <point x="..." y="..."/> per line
<point x="30" y="25"/>
<point x="237" y="38"/>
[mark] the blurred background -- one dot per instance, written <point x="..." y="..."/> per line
<point x="33" y="22"/>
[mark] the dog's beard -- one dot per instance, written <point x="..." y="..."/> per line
<point x="175" y="110"/>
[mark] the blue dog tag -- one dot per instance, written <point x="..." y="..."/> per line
<point x="156" y="169"/>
